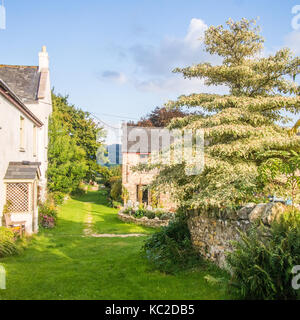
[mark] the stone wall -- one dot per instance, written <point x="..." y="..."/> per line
<point x="131" y="179"/>
<point x="144" y="221"/>
<point x="212" y="233"/>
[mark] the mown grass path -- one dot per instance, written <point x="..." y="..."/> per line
<point x="65" y="263"/>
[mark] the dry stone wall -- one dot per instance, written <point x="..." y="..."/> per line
<point x="212" y="234"/>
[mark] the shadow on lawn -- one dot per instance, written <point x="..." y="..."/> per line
<point x="63" y="264"/>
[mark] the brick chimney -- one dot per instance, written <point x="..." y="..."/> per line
<point x="43" y="59"/>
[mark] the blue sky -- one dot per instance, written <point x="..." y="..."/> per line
<point x="115" y="57"/>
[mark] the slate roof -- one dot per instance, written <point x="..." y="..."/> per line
<point x="17" y="102"/>
<point x="22" y="170"/>
<point x="22" y="80"/>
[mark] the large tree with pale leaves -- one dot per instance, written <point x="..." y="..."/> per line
<point x="244" y="128"/>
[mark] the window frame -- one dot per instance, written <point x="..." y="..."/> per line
<point x="22" y="134"/>
<point x="35" y="144"/>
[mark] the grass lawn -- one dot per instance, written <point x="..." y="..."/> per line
<point x="62" y="264"/>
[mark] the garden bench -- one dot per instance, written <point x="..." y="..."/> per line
<point x="15" y="226"/>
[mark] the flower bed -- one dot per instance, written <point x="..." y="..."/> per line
<point x="47" y="215"/>
<point x="149" y="218"/>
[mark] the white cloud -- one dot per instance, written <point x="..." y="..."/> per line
<point x="293" y="41"/>
<point x="171" y="52"/>
<point x="177" y="85"/>
<point x="154" y="64"/>
<point x="115" y="76"/>
<point x="195" y="33"/>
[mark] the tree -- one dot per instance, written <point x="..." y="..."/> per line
<point x="283" y="175"/>
<point x="161" y="117"/>
<point x="111" y="178"/>
<point x="242" y="127"/>
<point x="296" y="127"/>
<point x="83" y="129"/>
<point x="67" y="164"/>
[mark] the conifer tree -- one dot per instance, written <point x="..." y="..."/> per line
<point x="244" y="128"/>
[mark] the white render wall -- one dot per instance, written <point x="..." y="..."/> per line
<point x="10" y="141"/>
<point x="10" y="134"/>
<point x="43" y="110"/>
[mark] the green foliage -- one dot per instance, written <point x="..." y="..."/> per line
<point x="241" y="128"/>
<point x="295" y="128"/>
<point x="116" y="190"/>
<point x="140" y="213"/>
<point x="85" y="132"/>
<point x="263" y="259"/>
<point x="57" y="197"/>
<point x="7" y="243"/>
<point x="166" y="216"/>
<point x="149" y="214"/>
<point x="282" y="175"/>
<point x="159" y="213"/>
<point x="73" y="145"/>
<point x="67" y="165"/>
<point x="161" y="117"/>
<point x="170" y="249"/>
<point x="125" y="194"/>
<point x="128" y="211"/>
<point x="104" y="175"/>
<point x="111" y="178"/>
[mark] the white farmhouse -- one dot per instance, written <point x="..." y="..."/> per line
<point x="25" y="106"/>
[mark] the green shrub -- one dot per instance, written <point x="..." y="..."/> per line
<point x="57" y="197"/>
<point x="140" y="213"/>
<point x="128" y="211"/>
<point x="159" y="213"/>
<point x="116" y="204"/>
<point x="79" y="191"/>
<point x="170" y="249"/>
<point x="116" y="190"/>
<point x="7" y="243"/>
<point x="149" y="214"/>
<point x="264" y="257"/>
<point x="166" y="216"/>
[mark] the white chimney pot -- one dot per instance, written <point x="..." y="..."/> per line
<point x="43" y="59"/>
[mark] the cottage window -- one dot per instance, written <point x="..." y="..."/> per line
<point x="142" y="194"/>
<point x="22" y="134"/>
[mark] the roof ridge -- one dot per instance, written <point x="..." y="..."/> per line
<point x="16" y="66"/>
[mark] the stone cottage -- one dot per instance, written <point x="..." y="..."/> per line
<point x="25" y="103"/>
<point x="137" y="147"/>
